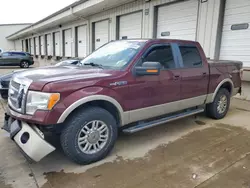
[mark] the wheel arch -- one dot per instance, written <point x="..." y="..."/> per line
<point x="106" y="102"/>
<point x="227" y="84"/>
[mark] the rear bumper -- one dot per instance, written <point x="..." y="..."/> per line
<point x="236" y="91"/>
<point x="28" y="138"/>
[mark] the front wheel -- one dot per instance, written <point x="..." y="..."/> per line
<point x="89" y="135"/>
<point x="24" y="64"/>
<point x="219" y="108"/>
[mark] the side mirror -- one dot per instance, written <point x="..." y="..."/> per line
<point x="148" y="68"/>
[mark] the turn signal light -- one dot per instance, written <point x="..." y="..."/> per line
<point x="54" y="98"/>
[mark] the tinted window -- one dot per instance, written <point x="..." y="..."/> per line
<point x="115" y="55"/>
<point x="6" y="54"/>
<point x="191" y="57"/>
<point x="163" y="55"/>
<point x="18" y="54"/>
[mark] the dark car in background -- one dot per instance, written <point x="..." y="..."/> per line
<point x="5" y="79"/>
<point x="22" y="59"/>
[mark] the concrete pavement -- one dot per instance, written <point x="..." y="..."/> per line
<point x="188" y="153"/>
<point x="192" y="152"/>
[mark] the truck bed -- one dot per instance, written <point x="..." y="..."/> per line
<point x="216" y="63"/>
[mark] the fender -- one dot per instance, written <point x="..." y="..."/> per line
<point x="123" y="116"/>
<point x="211" y="97"/>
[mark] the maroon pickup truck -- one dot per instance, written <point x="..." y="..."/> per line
<point x="129" y="85"/>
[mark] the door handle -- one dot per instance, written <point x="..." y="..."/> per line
<point x="204" y="74"/>
<point x="176" y="77"/>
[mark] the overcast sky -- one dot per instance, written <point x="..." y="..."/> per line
<point x="29" y="11"/>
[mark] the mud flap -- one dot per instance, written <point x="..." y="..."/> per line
<point x="32" y="143"/>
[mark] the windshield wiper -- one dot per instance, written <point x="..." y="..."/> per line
<point x="94" y="65"/>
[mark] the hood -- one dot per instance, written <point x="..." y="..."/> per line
<point x="51" y="74"/>
<point x="46" y="75"/>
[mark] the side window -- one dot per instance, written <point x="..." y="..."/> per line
<point x="18" y="54"/>
<point x="163" y="55"/>
<point x="190" y="56"/>
<point x="6" y="54"/>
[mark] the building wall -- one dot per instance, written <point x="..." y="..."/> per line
<point x="206" y="34"/>
<point x="6" y="30"/>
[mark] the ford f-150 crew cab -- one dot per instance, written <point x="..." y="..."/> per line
<point x="129" y="85"/>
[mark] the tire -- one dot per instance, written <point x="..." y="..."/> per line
<point x="24" y="64"/>
<point x="75" y="130"/>
<point x="213" y="110"/>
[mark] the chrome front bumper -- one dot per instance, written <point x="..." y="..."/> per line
<point x="29" y="139"/>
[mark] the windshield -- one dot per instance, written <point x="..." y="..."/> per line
<point x="114" y="55"/>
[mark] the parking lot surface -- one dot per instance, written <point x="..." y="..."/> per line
<point x="192" y="152"/>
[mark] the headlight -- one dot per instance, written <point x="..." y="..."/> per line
<point x="40" y="101"/>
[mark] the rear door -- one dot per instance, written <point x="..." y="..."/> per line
<point x="194" y="76"/>
<point x="5" y="58"/>
<point x="17" y="58"/>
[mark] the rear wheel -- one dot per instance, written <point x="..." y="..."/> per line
<point x="89" y="135"/>
<point x="219" y="108"/>
<point x="24" y="64"/>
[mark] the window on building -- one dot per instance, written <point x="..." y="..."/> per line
<point x="163" y="55"/>
<point x="190" y="56"/>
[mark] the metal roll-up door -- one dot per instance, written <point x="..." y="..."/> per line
<point x="57" y="44"/>
<point x="67" y="42"/>
<point x="101" y="33"/>
<point x="81" y="41"/>
<point x="48" y="44"/>
<point x="32" y="46"/>
<point x="178" y="20"/>
<point x="37" y="46"/>
<point x="130" y="26"/>
<point x="235" y="42"/>
<point x="42" y="46"/>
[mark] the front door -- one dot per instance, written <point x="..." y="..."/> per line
<point x="194" y="76"/>
<point x="157" y="95"/>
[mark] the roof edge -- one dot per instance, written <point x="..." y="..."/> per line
<point x="15" y="24"/>
<point x="51" y="16"/>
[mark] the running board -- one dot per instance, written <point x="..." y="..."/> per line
<point x="154" y="123"/>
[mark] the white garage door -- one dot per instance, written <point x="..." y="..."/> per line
<point x="57" y="44"/>
<point x="82" y="41"/>
<point x="48" y="44"/>
<point x="101" y="33"/>
<point x="130" y="26"/>
<point x="18" y="45"/>
<point x="235" y="44"/>
<point x="37" y="46"/>
<point x="31" y="45"/>
<point x="42" y="45"/>
<point x="178" y="20"/>
<point x="67" y="42"/>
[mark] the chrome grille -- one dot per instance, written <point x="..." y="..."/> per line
<point x="17" y="91"/>
<point x="13" y="93"/>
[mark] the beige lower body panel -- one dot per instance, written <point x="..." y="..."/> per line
<point x="158" y="110"/>
<point x="35" y="147"/>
